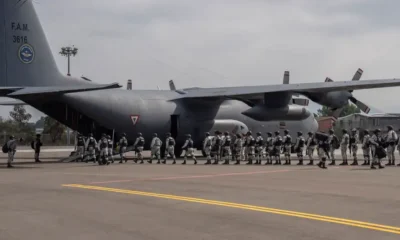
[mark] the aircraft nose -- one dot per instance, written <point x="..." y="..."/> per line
<point x="314" y="125"/>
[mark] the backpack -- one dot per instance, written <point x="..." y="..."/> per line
<point x="5" y="148"/>
<point x="335" y="143"/>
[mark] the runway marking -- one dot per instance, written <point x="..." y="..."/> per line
<point x="194" y="176"/>
<point x="343" y="221"/>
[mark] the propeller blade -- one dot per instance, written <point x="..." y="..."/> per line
<point x="336" y="113"/>
<point x="360" y="105"/>
<point x="286" y="77"/>
<point x="357" y="76"/>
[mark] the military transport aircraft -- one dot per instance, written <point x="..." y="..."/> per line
<point x="29" y="75"/>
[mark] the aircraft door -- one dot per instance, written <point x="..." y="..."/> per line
<point x="174" y="126"/>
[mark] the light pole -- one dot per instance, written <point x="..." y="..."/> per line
<point x="68" y="52"/>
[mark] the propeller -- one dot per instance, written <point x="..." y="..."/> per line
<point x="362" y="106"/>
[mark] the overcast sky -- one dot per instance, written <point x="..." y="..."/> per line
<point x="227" y="43"/>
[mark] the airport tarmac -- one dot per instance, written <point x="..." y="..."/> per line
<point x="132" y="201"/>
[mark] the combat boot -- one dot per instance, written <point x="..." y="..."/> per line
<point x="174" y="162"/>
<point x="9" y="165"/>
<point x="365" y="163"/>
<point x="380" y="166"/>
<point x="250" y="162"/>
<point x="354" y="163"/>
<point x="158" y="162"/>
<point x="164" y="162"/>
<point x="215" y="162"/>
<point x="343" y="163"/>
<point x="333" y="163"/>
<point x="150" y="161"/>
<point x="195" y="161"/>
<point x="300" y="162"/>
<point x="184" y="162"/>
<point x="226" y="162"/>
<point x="311" y="163"/>
<point x="237" y="162"/>
<point x="208" y="162"/>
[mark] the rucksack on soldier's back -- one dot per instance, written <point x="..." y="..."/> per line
<point x="5" y="148"/>
<point x="336" y="142"/>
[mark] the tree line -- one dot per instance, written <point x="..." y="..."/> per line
<point x="19" y="126"/>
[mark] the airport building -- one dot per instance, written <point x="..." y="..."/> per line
<point x="362" y="121"/>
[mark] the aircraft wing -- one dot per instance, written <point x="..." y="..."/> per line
<point x="257" y="92"/>
<point x="58" y="89"/>
<point x="11" y="102"/>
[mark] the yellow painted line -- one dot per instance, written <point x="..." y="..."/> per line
<point x="367" y="225"/>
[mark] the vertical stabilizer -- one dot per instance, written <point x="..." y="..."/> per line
<point x="172" y="85"/>
<point x="25" y="55"/>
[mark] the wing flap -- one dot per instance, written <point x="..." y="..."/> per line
<point x="255" y="92"/>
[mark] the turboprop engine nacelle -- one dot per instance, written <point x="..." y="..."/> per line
<point x="228" y="125"/>
<point x="288" y="113"/>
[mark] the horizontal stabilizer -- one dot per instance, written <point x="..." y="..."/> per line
<point x="11" y="102"/>
<point x="61" y="89"/>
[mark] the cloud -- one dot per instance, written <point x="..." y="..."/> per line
<point x="228" y="43"/>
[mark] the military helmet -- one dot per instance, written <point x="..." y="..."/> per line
<point x="90" y="134"/>
<point x="390" y="127"/>
<point x="299" y="133"/>
<point x="310" y="133"/>
<point x="286" y="131"/>
<point x="269" y="133"/>
<point x="331" y="131"/>
<point x="238" y="135"/>
<point x="168" y="134"/>
<point x="108" y="136"/>
<point x="226" y="133"/>
<point x="344" y="130"/>
<point x="276" y="132"/>
<point x="354" y="130"/>
<point x="249" y="133"/>
<point x="216" y="132"/>
<point x="11" y="136"/>
<point x="103" y="135"/>
<point x="259" y="134"/>
<point x="366" y="131"/>
<point x="155" y="134"/>
<point x="38" y="135"/>
<point x="207" y="134"/>
<point x="377" y="130"/>
<point x="188" y="135"/>
<point x="139" y="134"/>
<point x="124" y="134"/>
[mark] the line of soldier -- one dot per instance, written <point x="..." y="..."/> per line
<point x="247" y="148"/>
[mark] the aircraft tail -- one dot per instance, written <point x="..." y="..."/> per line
<point x="25" y="56"/>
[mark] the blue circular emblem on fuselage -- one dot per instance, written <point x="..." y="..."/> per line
<point x="26" y="53"/>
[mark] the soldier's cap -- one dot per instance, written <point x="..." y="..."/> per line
<point x="249" y="133"/>
<point x="377" y="130"/>
<point x="226" y="133"/>
<point x="300" y="133"/>
<point x="217" y="132"/>
<point x="259" y="133"/>
<point x="354" y="130"/>
<point x="276" y="132"/>
<point x="310" y="133"/>
<point x="269" y="133"/>
<point x="286" y="131"/>
<point x="390" y="127"/>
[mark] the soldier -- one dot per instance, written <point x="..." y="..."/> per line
<point x="287" y="147"/>
<point x="37" y="145"/>
<point x="259" y="148"/>
<point x="80" y="146"/>
<point x="238" y="145"/>
<point x="323" y="146"/>
<point x="90" y="146"/>
<point x="138" y="146"/>
<point x="11" y="147"/>
<point x="391" y="140"/>
<point x="155" y="147"/>
<point x="123" y="143"/>
<point x="103" y="148"/>
<point x="226" y="147"/>
<point x="366" y="148"/>
<point x="245" y="150"/>
<point x="277" y="142"/>
<point x="333" y="141"/>
<point x="299" y="147"/>
<point x="207" y="144"/>
<point x="343" y="147"/>
<point x="375" y="142"/>
<point x="311" y="143"/>
<point x="250" y="148"/>
<point x="110" y="148"/>
<point x="353" y="146"/>
<point x="188" y="147"/>
<point x="169" y="148"/>
<point x="216" y="147"/>
<point x="269" y="148"/>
